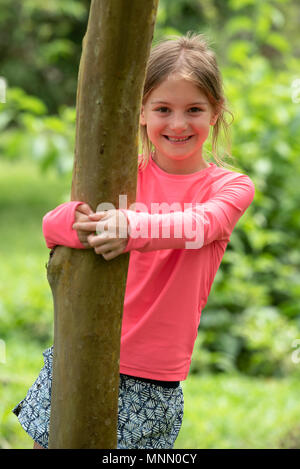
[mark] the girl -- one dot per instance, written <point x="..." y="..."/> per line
<point x="169" y="275"/>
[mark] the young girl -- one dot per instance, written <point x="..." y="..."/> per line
<point x="169" y="276"/>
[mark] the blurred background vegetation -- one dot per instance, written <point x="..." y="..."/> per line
<point x="242" y="391"/>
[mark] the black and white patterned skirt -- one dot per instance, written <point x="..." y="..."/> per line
<point x="149" y="415"/>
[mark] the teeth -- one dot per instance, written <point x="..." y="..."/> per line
<point x="178" y="139"/>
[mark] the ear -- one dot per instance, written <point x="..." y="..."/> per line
<point x="217" y="111"/>
<point x="214" y="119"/>
<point x="142" y="116"/>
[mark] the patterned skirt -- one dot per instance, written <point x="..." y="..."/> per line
<point x="149" y="415"/>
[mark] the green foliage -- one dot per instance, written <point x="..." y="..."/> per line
<point x="29" y="132"/>
<point x="40" y="47"/>
<point x="269" y="337"/>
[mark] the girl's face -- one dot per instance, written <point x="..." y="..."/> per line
<point x="178" y="118"/>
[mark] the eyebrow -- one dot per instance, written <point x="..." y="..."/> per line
<point x="190" y="104"/>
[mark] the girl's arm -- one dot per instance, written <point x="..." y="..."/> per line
<point x="57" y="226"/>
<point x="194" y="227"/>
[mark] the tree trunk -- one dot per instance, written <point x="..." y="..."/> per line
<point x="88" y="291"/>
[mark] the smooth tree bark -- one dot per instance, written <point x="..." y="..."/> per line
<point x="88" y="291"/>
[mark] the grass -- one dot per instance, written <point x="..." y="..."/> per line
<point x="233" y="411"/>
<point x="25" y="297"/>
<point x="221" y="411"/>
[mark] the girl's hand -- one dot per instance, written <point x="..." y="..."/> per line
<point x="82" y="216"/>
<point x="112" y="232"/>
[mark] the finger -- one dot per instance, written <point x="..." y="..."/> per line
<point x="103" y="249"/>
<point x="85" y="226"/>
<point x="108" y="256"/>
<point x="111" y="254"/>
<point x="94" y="240"/>
<point x="97" y="215"/>
<point x="84" y="208"/>
<point x="81" y="217"/>
<point x="105" y="226"/>
<point x="109" y="247"/>
<point x="100" y="239"/>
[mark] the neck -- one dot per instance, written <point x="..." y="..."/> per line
<point x="179" y="166"/>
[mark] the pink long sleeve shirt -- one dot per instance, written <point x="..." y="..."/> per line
<point x="178" y="233"/>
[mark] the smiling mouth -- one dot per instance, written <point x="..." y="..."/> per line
<point x="178" y="139"/>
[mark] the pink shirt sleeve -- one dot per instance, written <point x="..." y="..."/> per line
<point x="57" y="226"/>
<point x="196" y="226"/>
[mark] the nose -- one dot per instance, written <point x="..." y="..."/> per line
<point x="178" y="123"/>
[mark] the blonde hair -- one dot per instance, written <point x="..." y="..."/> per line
<point x="188" y="57"/>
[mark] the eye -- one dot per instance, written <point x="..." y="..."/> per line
<point x="197" y="109"/>
<point x="161" y="108"/>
